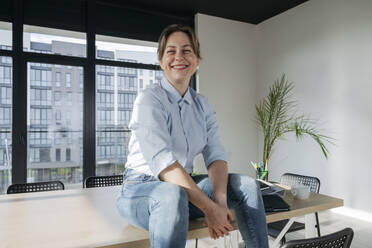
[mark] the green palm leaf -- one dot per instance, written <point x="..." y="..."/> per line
<point x="275" y="115"/>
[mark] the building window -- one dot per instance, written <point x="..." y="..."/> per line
<point x="40" y="155"/>
<point x="69" y="98"/>
<point x="105" y="100"/>
<point x="105" y="69"/>
<point x="42" y="97"/>
<point x="39" y="137"/>
<point x="105" y="82"/>
<point x="58" y="79"/>
<point x="5" y="95"/>
<point x="105" y="117"/>
<point x="68" y="154"/>
<point x="127" y="83"/>
<point x="5" y="116"/>
<point x="57" y="98"/>
<point x="124" y="117"/>
<point x="69" y="138"/>
<point x="68" y="117"/>
<point x="34" y="155"/>
<point x="58" y="154"/>
<point x="58" y="115"/>
<point x="126" y="100"/>
<point x="68" y="80"/>
<point x="5" y="73"/>
<point x="44" y="154"/>
<point x="40" y="116"/>
<point x="40" y="77"/>
<point x="57" y="138"/>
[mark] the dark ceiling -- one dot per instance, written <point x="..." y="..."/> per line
<point x="250" y="11"/>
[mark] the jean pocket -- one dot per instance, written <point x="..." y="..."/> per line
<point x="138" y="178"/>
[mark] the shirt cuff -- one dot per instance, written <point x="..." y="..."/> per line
<point x="210" y="160"/>
<point x="162" y="161"/>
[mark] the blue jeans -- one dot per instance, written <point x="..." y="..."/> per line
<point x="164" y="209"/>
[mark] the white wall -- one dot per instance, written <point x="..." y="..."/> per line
<point x="227" y="77"/>
<point x="325" y="48"/>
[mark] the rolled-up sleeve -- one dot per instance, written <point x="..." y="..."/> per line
<point x="149" y="127"/>
<point x="213" y="150"/>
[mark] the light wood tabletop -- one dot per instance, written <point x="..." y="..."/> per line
<point x="89" y="218"/>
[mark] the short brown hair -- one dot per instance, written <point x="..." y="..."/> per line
<point x="178" y="28"/>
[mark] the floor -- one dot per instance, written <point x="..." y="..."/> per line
<point x="329" y="222"/>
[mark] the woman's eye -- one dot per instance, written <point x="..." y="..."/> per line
<point x="170" y="52"/>
<point x="186" y="51"/>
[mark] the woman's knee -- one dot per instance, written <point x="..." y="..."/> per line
<point x="174" y="197"/>
<point x="242" y="183"/>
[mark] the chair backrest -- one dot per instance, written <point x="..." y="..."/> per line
<point x="340" y="239"/>
<point x="35" y="187"/>
<point x="291" y="179"/>
<point x="103" y="181"/>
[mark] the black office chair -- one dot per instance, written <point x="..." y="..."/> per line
<point x="103" y="181"/>
<point x="291" y="179"/>
<point x="35" y="187"/>
<point x="340" y="239"/>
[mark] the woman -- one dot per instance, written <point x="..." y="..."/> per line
<point x="170" y="125"/>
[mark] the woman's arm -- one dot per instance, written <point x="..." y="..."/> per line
<point x="215" y="215"/>
<point x="217" y="173"/>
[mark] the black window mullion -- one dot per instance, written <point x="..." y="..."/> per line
<point x="127" y="64"/>
<point x="89" y="149"/>
<point x="53" y="59"/>
<point x="19" y="125"/>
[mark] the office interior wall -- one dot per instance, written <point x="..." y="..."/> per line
<point x="227" y="77"/>
<point x="325" y="48"/>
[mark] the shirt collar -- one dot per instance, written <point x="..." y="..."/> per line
<point x="173" y="94"/>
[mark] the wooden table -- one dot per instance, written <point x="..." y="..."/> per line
<point x="89" y="218"/>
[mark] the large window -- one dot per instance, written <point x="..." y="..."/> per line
<point x="116" y="91"/>
<point x="52" y="151"/>
<point x="5" y="122"/>
<point x="50" y="70"/>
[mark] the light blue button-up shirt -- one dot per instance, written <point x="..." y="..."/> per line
<point x="167" y="128"/>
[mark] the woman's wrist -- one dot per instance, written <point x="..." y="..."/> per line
<point x="220" y="199"/>
<point x="208" y="206"/>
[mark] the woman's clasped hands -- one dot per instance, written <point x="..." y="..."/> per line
<point x="217" y="218"/>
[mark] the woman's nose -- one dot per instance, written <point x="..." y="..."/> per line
<point x="179" y="55"/>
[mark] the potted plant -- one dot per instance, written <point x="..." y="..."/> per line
<point x="276" y="116"/>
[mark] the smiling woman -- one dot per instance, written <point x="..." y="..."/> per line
<point x="170" y="125"/>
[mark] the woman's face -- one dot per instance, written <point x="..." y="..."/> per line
<point x="179" y="61"/>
